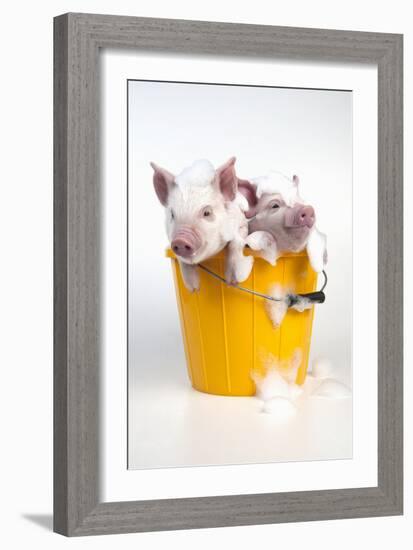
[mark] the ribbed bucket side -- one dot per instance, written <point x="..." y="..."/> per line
<point x="227" y="333"/>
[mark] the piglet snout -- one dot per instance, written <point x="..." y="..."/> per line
<point x="306" y="216"/>
<point x="186" y="242"/>
<point x="182" y="247"/>
<point x="300" y="216"/>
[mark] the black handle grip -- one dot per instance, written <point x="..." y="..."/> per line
<point x="317" y="297"/>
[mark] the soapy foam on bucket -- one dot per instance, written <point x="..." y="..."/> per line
<point x="276" y="310"/>
<point x="277" y="387"/>
<point x="302" y="304"/>
<point x="271" y="385"/>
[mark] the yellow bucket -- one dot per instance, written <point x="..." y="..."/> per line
<point x="227" y="332"/>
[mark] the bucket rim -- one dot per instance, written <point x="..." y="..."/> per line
<point x="248" y="252"/>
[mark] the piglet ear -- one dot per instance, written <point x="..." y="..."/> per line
<point x="163" y="182"/>
<point x="249" y="191"/>
<point x="296" y="180"/>
<point x="227" y="179"/>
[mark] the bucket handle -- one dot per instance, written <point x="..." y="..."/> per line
<point x="317" y="297"/>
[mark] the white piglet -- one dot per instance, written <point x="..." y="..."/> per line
<point x="204" y="214"/>
<point x="280" y="221"/>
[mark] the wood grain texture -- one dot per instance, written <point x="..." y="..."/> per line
<point x="78" y="39"/>
<point x="60" y="485"/>
<point x="390" y="273"/>
<point x="77" y="318"/>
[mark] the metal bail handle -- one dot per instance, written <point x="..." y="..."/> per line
<point x="317" y="297"/>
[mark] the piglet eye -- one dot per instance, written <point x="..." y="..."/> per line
<point x="275" y="206"/>
<point x="172" y="215"/>
<point x="207" y="212"/>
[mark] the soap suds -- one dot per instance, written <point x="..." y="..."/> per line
<point x="280" y="395"/>
<point x="276" y="387"/>
<point x="321" y="368"/>
<point x="280" y="407"/>
<point x="199" y="174"/>
<point x="275" y="182"/>
<point x="277" y="309"/>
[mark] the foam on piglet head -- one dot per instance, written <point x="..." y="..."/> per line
<point x="200" y="174"/>
<point x="277" y="183"/>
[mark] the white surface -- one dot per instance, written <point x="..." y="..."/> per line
<point x="185" y="427"/>
<point x="361" y="470"/>
<point x="26" y="286"/>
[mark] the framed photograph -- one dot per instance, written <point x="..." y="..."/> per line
<point x="228" y="274"/>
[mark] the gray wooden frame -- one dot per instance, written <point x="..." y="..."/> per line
<point x="78" y="39"/>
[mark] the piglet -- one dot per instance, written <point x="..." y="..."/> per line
<point x="280" y="221"/>
<point x="204" y="214"/>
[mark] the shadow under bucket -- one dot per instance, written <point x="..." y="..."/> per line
<point x="227" y="333"/>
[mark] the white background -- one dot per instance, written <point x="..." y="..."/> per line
<point x="304" y="132"/>
<point x="26" y="275"/>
